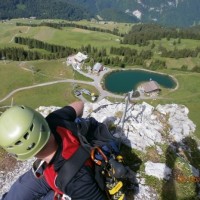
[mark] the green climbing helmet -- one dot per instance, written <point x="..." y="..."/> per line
<point x="23" y="132"/>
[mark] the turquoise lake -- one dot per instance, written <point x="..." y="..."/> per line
<point x="127" y="80"/>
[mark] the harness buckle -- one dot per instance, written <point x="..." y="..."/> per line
<point x="65" y="197"/>
<point x="37" y="168"/>
<point x="61" y="197"/>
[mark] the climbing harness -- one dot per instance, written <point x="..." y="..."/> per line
<point x="113" y="170"/>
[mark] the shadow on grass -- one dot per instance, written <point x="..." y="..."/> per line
<point x="187" y="151"/>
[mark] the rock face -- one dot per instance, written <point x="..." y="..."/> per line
<point x="8" y="177"/>
<point x="143" y="126"/>
<point x="180" y="125"/>
<point x="158" y="170"/>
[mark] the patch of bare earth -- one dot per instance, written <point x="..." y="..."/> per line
<point x="7" y="162"/>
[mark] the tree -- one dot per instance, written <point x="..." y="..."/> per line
<point x="184" y="67"/>
<point x="122" y="65"/>
<point x="196" y="69"/>
<point x="153" y="45"/>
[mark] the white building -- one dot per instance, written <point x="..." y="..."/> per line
<point x="80" y="57"/>
<point x="76" y="60"/>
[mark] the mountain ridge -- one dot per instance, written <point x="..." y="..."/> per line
<point x="177" y="13"/>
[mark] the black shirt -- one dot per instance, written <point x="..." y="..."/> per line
<point x="83" y="185"/>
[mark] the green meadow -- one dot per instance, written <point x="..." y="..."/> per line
<point x="19" y="74"/>
<point x="59" y="94"/>
<point x="15" y="74"/>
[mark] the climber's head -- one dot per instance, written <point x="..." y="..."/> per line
<point x="23" y="132"/>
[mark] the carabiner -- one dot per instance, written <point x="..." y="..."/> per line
<point x="93" y="151"/>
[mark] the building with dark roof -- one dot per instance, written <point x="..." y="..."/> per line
<point x="151" y="86"/>
<point x="97" y="67"/>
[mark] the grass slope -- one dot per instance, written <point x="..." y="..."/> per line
<point x="15" y="75"/>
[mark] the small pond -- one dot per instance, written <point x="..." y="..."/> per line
<point x="126" y="80"/>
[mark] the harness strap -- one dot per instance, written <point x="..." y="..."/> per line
<point x="71" y="167"/>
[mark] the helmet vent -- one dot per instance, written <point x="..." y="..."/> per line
<point x="31" y="128"/>
<point x="18" y="142"/>
<point x="31" y="146"/>
<point x="10" y="147"/>
<point x="26" y="136"/>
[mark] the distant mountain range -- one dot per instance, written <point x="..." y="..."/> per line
<point x="179" y="13"/>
